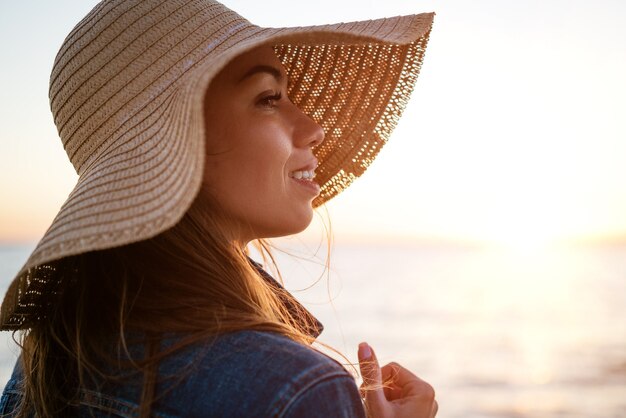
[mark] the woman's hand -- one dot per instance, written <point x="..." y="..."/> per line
<point x="396" y="392"/>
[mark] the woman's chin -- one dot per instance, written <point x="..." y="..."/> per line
<point x="290" y="225"/>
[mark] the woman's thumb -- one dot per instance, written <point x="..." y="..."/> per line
<point x="370" y="370"/>
<point x="371" y="390"/>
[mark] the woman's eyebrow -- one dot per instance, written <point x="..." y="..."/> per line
<point x="278" y="75"/>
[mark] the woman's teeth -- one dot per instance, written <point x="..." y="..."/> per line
<point x="303" y="175"/>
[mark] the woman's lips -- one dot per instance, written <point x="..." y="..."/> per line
<point x="304" y="177"/>
<point x="308" y="184"/>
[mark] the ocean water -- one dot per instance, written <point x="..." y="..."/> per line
<point x="508" y="334"/>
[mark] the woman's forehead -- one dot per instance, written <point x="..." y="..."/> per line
<point x="261" y="59"/>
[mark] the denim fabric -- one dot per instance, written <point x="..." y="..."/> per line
<point x="240" y="374"/>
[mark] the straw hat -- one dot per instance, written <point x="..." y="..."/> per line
<point x="126" y="93"/>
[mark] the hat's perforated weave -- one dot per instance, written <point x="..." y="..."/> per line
<point x="357" y="110"/>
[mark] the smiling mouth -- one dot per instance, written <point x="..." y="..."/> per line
<point x="305" y="178"/>
<point x="303" y="175"/>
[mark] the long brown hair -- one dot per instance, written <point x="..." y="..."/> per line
<point x="189" y="279"/>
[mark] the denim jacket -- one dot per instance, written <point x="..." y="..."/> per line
<point x="240" y="374"/>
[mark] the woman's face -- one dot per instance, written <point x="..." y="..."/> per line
<point x="259" y="149"/>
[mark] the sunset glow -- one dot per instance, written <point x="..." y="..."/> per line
<point x="514" y="134"/>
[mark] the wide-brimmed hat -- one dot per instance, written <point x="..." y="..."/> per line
<point x="127" y="91"/>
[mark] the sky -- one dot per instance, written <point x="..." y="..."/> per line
<point x="515" y="133"/>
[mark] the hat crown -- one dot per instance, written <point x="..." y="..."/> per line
<point x="124" y="58"/>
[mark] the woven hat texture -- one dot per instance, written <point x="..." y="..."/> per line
<point x="127" y="91"/>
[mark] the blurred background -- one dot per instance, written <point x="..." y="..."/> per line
<point x="485" y="249"/>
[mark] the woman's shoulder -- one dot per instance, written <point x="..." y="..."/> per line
<point x="244" y="352"/>
<point x="263" y="349"/>
<point x="245" y="373"/>
<point x="258" y="373"/>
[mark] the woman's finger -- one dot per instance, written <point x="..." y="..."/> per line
<point x="372" y="381"/>
<point x="410" y="384"/>
<point x="393" y="391"/>
<point x="370" y="370"/>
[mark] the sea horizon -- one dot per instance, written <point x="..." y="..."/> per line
<point x="499" y="332"/>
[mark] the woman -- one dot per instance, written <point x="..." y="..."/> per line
<point x="194" y="134"/>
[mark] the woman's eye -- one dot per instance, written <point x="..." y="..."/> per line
<point x="270" y="101"/>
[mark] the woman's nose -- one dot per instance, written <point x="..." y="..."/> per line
<point x="308" y="132"/>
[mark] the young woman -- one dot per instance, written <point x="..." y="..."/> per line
<point x="195" y="134"/>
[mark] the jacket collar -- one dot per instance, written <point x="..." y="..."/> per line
<point x="310" y="323"/>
